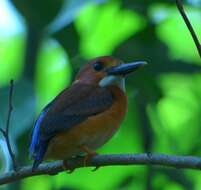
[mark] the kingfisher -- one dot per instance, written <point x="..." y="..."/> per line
<point x="84" y="116"/>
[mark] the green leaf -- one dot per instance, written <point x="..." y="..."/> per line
<point x="53" y="72"/>
<point x="179" y="110"/>
<point x="103" y="28"/>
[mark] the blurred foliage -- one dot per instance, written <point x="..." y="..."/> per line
<point x="166" y="31"/>
<point x="164" y="97"/>
<point x="52" y="68"/>
<point x="35" y="11"/>
<point x="92" y="43"/>
<point x="11" y="53"/>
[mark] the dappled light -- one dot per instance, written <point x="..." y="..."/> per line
<point x="44" y="44"/>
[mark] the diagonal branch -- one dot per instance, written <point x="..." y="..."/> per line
<point x="10" y="107"/>
<point x="185" y="162"/>
<point x="6" y="131"/>
<point x="3" y="132"/>
<point x="188" y="24"/>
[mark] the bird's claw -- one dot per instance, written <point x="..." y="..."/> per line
<point x="67" y="168"/>
<point x="96" y="168"/>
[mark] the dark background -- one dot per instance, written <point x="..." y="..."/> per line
<point x="44" y="43"/>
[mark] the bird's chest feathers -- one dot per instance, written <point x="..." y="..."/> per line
<point x="116" y="85"/>
<point x="102" y="126"/>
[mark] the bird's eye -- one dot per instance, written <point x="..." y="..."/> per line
<point x="98" y="66"/>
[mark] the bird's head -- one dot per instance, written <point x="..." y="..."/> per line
<point x="106" y="71"/>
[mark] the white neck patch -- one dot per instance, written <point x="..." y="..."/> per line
<point x="113" y="80"/>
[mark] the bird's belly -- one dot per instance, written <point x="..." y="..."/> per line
<point x="93" y="133"/>
<point x="100" y="133"/>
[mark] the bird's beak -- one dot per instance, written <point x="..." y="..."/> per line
<point x="125" y="68"/>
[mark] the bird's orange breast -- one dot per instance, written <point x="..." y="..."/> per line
<point x="93" y="132"/>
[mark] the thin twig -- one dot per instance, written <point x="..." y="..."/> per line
<point x="10" y="107"/>
<point x="188" y="24"/>
<point x="178" y="162"/>
<point x="6" y="131"/>
<point x="3" y="132"/>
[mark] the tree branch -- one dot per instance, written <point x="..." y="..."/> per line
<point x="189" y="26"/>
<point x="185" y="162"/>
<point x="6" y="131"/>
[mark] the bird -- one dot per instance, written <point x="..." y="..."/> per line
<point x="84" y="116"/>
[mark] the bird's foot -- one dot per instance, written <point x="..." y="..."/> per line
<point x="67" y="168"/>
<point x="89" y="155"/>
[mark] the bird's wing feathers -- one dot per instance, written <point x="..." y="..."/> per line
<point x="98" y="100"/>
<point x="88" y="100"/>
<point x="71" y="107"/>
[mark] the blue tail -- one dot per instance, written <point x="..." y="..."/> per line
<point x="38" y="147"/>
<point x="39" y="154"/>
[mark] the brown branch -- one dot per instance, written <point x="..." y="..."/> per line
<point x="178" y="162"/>
<point x="189" y="26"/>
<point x="6" y="131"/>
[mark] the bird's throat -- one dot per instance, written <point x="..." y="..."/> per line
<point x="113" y="80"/>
